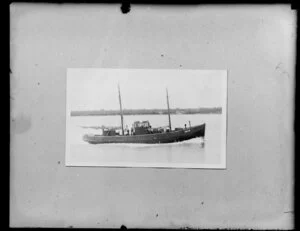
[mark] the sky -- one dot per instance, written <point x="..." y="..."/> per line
<point x="96" y="89"/>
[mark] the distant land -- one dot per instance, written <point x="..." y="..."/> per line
<point x="178" y="111"/>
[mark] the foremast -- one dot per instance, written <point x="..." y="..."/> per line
<point x="168" y="109"/>
<point x="121" y="110"/>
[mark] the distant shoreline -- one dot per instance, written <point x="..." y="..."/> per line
<point x="177" y="111"/>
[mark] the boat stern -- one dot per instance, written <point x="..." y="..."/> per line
<point x="86" y="137"/>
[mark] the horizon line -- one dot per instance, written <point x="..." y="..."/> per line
<point x="177" y="108"/>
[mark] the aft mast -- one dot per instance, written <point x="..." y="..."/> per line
<point x="168" y="109"/>
<point x="121" y="110"/>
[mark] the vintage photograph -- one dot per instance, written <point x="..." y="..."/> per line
<point x="146" y="118"/>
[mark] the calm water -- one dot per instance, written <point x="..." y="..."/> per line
<point x="198" y="151"/>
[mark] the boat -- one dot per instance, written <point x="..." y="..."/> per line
<point x="142" y="132"/>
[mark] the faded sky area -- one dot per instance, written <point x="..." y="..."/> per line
<point x="96" y="89"/>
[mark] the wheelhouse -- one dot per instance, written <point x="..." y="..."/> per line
<point x="140" y="128"/>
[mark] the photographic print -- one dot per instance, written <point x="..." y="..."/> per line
<point x="146" y="118"/>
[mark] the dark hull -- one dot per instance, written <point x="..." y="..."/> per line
<point x="168" y="137"/>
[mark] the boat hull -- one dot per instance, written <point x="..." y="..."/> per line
<point x="168" y="137"/>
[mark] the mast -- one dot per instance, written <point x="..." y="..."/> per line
<point x="121" y="110"/>
<point x="168" y="109"/>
